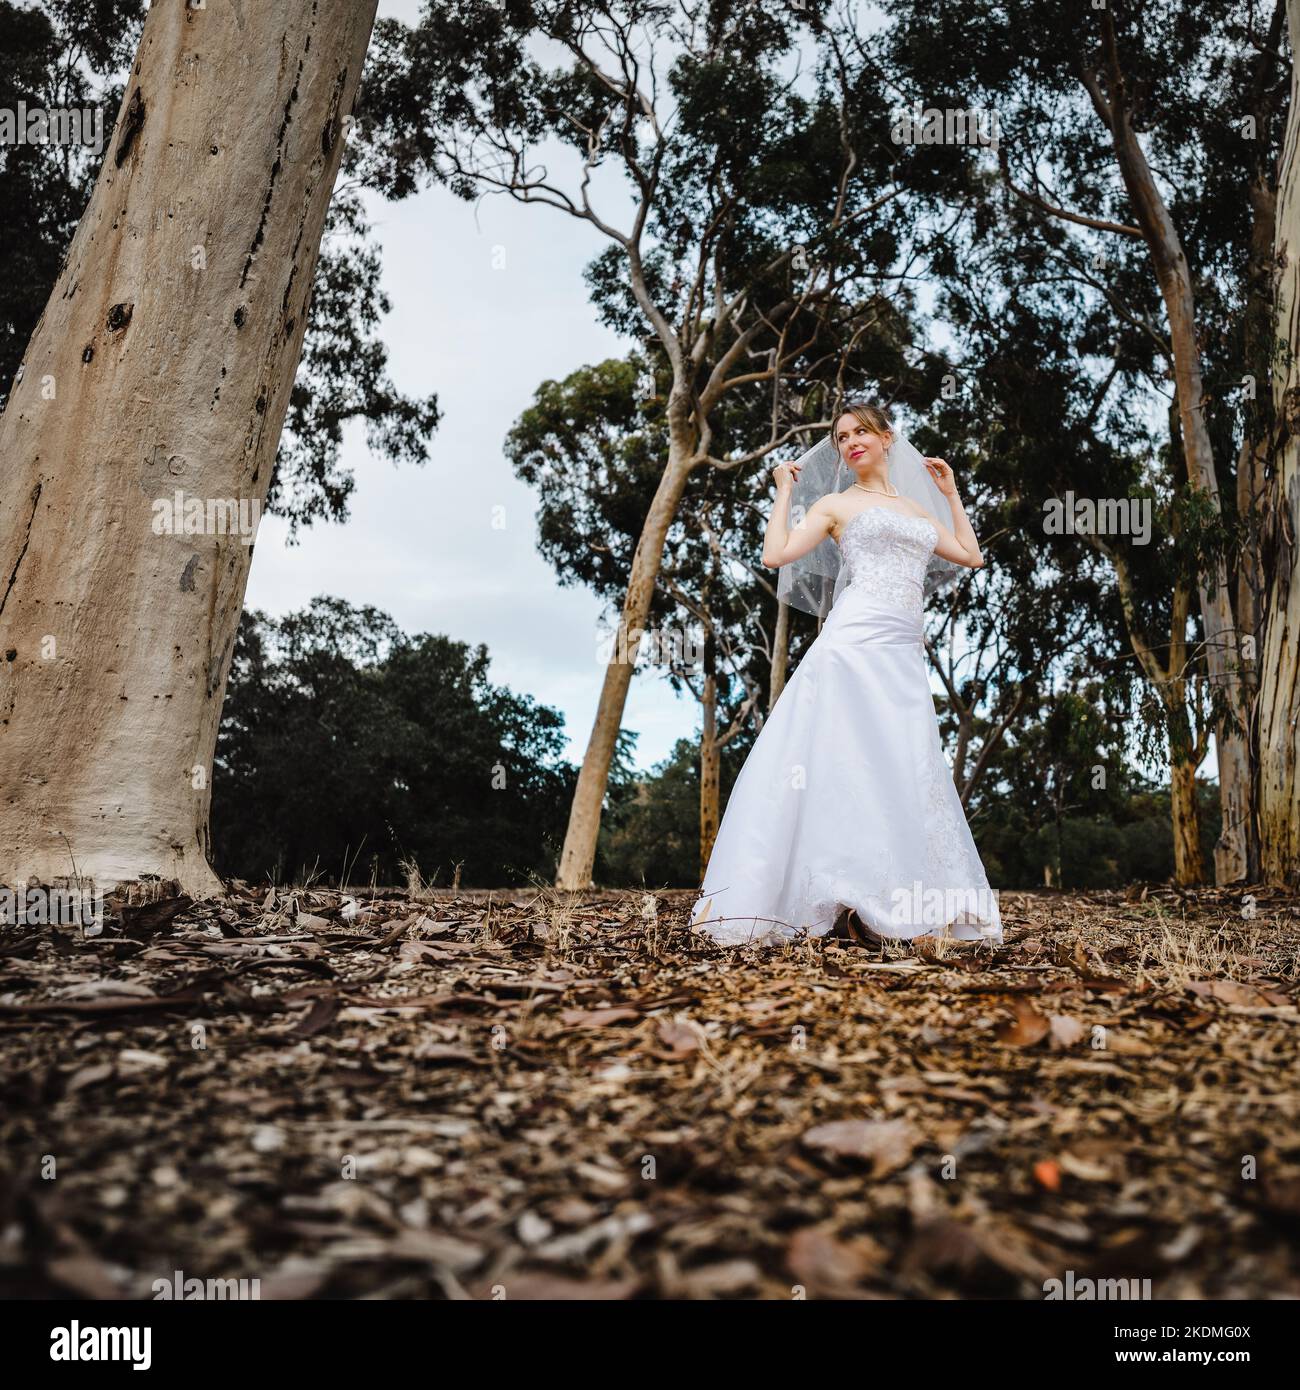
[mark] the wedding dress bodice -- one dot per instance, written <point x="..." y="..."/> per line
<point x="886" y="553"/>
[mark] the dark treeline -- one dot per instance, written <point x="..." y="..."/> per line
<point x="351" y="752"/>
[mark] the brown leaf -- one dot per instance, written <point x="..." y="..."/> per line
<point x="680" y="1038"/>
<point x="152" y="918"/>
<point x="444" y="1052"/>
<point x="727" y="1277"/>
<point x="596" y="1018"/>
<point x="829" y="1267"/>
<point x="526" y="1285"/>
<point x="976" y="1254"/>
<point x="886" y="1144"/>
<point x="84" y="1273"/>
<point x="1234" y="992"/>
<point x="1028" y="1028"/>
<point x="436" y="1248"/>
<point x="1082" y="1168"/>
<point x="322" y="1013"/>
<point x="1065" y="1031"/>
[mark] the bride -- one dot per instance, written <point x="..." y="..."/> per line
<point x="844" y="816"/>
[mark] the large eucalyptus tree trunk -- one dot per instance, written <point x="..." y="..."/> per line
<point x="1279" y="695"/>
<point x="153" y="394"/>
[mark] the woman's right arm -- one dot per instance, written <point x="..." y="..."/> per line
<point x="781" y="544"/>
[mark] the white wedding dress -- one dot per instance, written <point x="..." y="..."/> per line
<point x="846" y="800"/>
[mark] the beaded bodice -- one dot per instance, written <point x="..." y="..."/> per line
<point x="886" y="553"/>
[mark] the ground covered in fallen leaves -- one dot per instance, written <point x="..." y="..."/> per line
<point x="535" y="1095"/>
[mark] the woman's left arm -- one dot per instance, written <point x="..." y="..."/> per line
<point x="959" y="545"/>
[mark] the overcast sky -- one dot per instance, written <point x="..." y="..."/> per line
<point x="482" y="327"/>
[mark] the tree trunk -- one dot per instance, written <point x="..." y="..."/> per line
<point x="780" y="654"/>
<point x="710" y="759"/>
<point x="162" y="365"/>
<point x="1254" y="473"/>
<point x="579" y="852"/>
<point x="1185" y="813"/>
<point x="1279" y="696"/>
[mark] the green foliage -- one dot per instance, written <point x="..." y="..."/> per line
<point x="1132" y="842"/>
<point x="1062" y="332"/>
<point x="1061" y="800"/>
<point x="349" y="749"/>
<point x="594" y="458"/>
<point x="71" y="53"/>
<point x="343" y="376"/>
<point x="77" y="53"/>
<point x="655" y="841"/>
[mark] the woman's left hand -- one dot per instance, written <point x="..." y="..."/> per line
<point x="942" y="475"/>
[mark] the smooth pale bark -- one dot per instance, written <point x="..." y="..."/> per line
<point x="579" y="852"/>
<point x="1254" y="459"/>
<point x="1231" y="853"/>
<point x="1279" y="696"/>
<point x="163" y="362"/>
<point x="1253" y="456"/>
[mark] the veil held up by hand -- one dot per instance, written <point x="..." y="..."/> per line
<point x="814" y="581"/>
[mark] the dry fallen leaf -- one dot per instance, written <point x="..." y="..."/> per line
<point x="1065" y="1031"/>
<point x="1027" y="1029"/>
<point x="679" y="1038"/>
<point x="1234" y="992"/>
<point x="886" y="1144"/>
<point x="596" y="1018"/>
<point x="829" y="1267"/>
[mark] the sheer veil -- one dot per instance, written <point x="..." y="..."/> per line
<point x="813" y="582"/>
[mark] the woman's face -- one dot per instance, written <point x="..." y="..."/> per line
<point x="859" y="446"/>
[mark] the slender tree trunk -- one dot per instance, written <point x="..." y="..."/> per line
<point x="1185" y="809"/>
<point x="579" y="852"/>
<point x="780" y="654"/>
<point x="1279" y="697"/>
<point x="710" y="758"/>
<point x="1253" y="477"/>
<point x="163" y="364"/>
<point x="1253" y="458"/>
<point x="1231" y="853"/>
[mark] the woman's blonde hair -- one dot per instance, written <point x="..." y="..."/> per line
<point x="874" y="417"/>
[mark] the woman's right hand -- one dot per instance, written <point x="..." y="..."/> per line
<point x="786" y="475"/>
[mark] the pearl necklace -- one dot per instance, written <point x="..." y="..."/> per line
<point x="876" y="489"/>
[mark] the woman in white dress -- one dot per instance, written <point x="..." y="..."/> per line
<point x="845" y="817"/>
